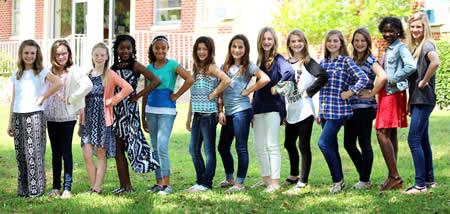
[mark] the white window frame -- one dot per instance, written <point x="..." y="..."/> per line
<point x="15" y="28"/>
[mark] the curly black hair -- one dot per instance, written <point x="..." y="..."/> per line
<point x="120" y="39"/>
<point x="394" y="22"/>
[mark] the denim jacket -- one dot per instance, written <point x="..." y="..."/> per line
<point x="398" y="64"/>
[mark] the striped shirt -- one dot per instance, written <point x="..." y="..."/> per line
<point x="202" y="87"/>
<point x="358" y="102"/>
<point x="341" y="71"/>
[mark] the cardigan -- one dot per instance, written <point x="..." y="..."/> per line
<point x="112" y="81"/>
<point x="77" y="86"/>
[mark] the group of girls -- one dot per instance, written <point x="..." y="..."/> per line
<point x="105" y="99"/>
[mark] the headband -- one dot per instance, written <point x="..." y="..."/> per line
<point x="160" y="38"/>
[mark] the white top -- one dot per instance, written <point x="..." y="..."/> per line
<point x="299" y="106"/>
<point x="27" y="90"/>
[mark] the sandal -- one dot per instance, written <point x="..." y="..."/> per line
<point x="121" y="191"/>
<point x="225" y="184"/>
<point x="392" y="182"/>
<point x="289" y="182"/>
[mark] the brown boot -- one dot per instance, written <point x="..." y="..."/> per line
<point x="392" y="182"/>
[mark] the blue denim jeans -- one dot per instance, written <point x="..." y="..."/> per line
<point x="328" y="144"/>
<point x="160" y="128"/>
<point x="204" y="131"/>
<point x="237" y="125"/>
<point x="419" y="144"/>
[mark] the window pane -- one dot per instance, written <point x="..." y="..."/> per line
<point x="168" y="10"/>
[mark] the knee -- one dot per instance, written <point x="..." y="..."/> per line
<point x="322" y="145"/>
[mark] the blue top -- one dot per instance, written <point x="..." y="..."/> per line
<point x="355" y="100"/>
<point x="398" y="64"/>
<point x="342" y="71"/>
<point x="263" y="100"/>
<point x="158" y="101"/>
<point x="203" y="86"/>
<point x="233" y="100"/>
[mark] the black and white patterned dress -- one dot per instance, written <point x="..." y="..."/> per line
<point x="94" y="130"/>
<point x="127" y="126"/>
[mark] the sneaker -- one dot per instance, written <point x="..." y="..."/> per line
<point x="155" y="188"/>
<point x="225" y="184"/>
<point x="415" y="190"/>
<point x="299" y="187"/>
<point x="430" y="185"/>
<point x="362" y="185"/>
<point x="66" y="194"/>
<point x="258" y="184"/>
<point x="337" y="187"/>
<point x="166" y="190"/>
<point x="235" y="189"/>
<point x="191" y="188"/>
<point x="198" y="188"/>
<point x="54" y="193"/>
<point x="272" y="188"/>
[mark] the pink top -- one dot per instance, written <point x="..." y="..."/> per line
<point x="112" y="80"/>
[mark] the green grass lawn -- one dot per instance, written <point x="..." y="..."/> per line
<point x="316" y="199"/>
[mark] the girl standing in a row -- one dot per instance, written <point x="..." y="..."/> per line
<point x="127" y="125"/>
<point x="26" y="117"/>
<point x="210" y="81"/>
<point x="345" y="80"/>
<point x="238" y="114"/>
<point x="269" y="109"/>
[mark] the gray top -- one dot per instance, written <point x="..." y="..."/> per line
<point x="427" y="95"/>
<point x="233" y="100"/>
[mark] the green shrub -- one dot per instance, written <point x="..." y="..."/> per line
<point x="5" y="67"/>
<point x="443" y="75"/>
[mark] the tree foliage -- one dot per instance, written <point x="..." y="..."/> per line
<point x="316" y="17"/>
<point x="443" y="75"/>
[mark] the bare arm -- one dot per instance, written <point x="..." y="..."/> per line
<point x="144" y="103"/>
<point x="189" y="117"/>
<point x="10" y="127"/>
<point x="56" y="85"/>
<point x="188" y="81"/>
<point x="261" y="80"/>
<point x="432" y="68"/>
<point x="155" y="81"/>
<point x="380" y="80"/>
<point x="224" y="81"/>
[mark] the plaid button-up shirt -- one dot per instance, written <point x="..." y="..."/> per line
<point x="341" y="71"/>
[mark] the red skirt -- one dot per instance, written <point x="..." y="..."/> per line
<point x="391" y="112"/>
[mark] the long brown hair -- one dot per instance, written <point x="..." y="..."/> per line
<point x="305" y="51"/>
<point x="262" y="58"/>
<point x="342" y="50"/>
<point x="365" y="33"/>
<point x="198" y="64"/>
<point x="55" y="46"/>
<point x="37" y="64"/>
<point x="105" y="67"/>
<point x="245" y="60"/>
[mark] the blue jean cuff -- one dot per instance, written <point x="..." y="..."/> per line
<point x="229" y="176"/>
<point x="240" y="180"/>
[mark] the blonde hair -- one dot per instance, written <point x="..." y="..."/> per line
<point x="37" y="64"/>
<point x="262" y="58"/>
<point x="305" y="51"/>
<point x="105" y="67"/>
<point x="412" y="43"/>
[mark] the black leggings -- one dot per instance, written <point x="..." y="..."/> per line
<point x="359" y="126"/>
<point x="301" y="130"/>
<point x="60" y="134"/>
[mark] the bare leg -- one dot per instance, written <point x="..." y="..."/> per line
<point x="101" y="169"/>
<point x="88" y="151"/>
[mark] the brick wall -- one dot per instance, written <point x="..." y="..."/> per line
<point x="39" y="19"/>
<point x="144" y="16"/>
<point x="5" y="24"/>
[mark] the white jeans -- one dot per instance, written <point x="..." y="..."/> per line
<point x="266" y="128"/>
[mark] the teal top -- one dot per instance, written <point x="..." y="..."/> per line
<point x="203" y="86"/>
